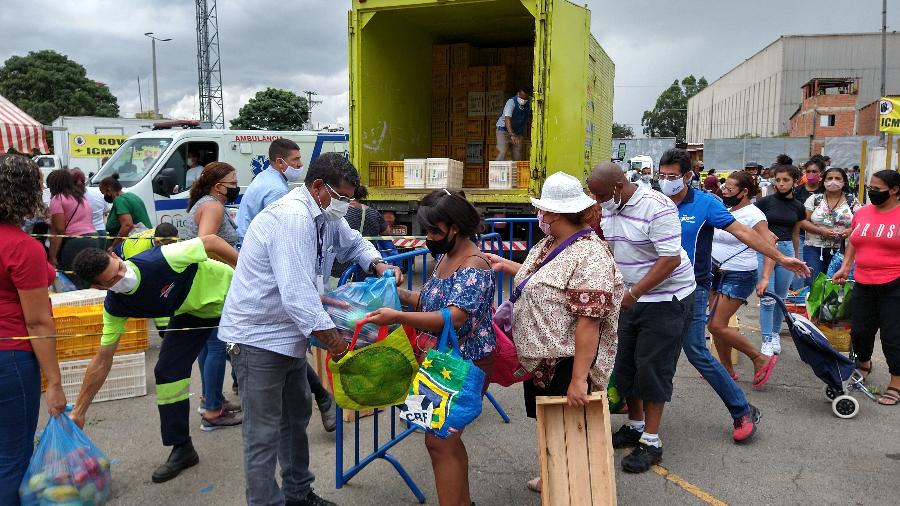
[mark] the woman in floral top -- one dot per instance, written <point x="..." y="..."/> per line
<point x="828" y="217"/>
<point x="565" y="320"/>
<point x="463" y="282"/>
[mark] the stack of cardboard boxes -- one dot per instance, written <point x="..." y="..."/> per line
<point x="469" y="89"/>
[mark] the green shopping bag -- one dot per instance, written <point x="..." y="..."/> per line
<point x="829" y="302"/>
<point x="616" y="401"/>
<point x="376" y="376"/>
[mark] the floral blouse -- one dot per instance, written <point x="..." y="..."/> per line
<point x="471" y="290"/>
<point x="825" y="217"/>
<point x="583" y="280"/>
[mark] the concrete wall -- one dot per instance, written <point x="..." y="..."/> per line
<point x="732" y="154"/>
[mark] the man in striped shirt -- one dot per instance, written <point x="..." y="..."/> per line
<point x="644" y="233"/>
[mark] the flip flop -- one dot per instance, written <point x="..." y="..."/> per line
<point x="891" y="395"/>
<point x="760" y="378"/>
<point x="534" y="485"/>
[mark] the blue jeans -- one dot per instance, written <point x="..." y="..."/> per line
<point x="20" y="400"/>
<point x="770" y="320"/>
<point x="699" y="356"/>
<point x="818" y="259"/>
<point x="212" y="371"/>
<point x="799" y="282"/>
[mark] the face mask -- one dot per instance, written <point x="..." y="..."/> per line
<point x="813" y="178"/>
<point x="784" y="195"/>
<point x="336" y="210"/>
<point x="543" y="225"/>
<point x="292" y="174"/>
<point x="231" y="194"/>
<point x="109" y="198"/>
<point x="440" y="246"/>
<point x="670" y="188"/>
<point x="646" y="178"/>
<point x="521" y="101"/>
<point x="833" y="186"/>
<point x="127" y="283"/>
<point x="878" y="197"/>
<point x="732" y="200"/>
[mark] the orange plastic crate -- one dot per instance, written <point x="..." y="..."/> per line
<point x="386" y="174"/>
<point x="79" y="329"/>
<point x="524" y="170"/>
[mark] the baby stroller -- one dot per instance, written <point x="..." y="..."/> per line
<point x="838" y="371"/>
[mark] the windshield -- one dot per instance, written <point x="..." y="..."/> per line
<point x="132" y="160"/>
<point x="637" y="165"/>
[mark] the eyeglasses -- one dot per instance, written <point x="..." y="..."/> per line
<point x="670" y="177"/>
<point x="338" y="195"/>
<point x="873" y="189"/>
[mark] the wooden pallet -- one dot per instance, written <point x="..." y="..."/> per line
<point x="319" y="363"/>
<point x="576" y="454"/>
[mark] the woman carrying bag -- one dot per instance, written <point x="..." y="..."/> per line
<point x="829" y="213"/>
<point x="463" y="282"/>
<point x="569" y="295"/>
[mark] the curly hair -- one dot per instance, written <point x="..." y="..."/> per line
<point x="90" y="263"/>
<point x="20" y="190"/>
<point x="212" y="174"/>
<point x="62" y="182"/>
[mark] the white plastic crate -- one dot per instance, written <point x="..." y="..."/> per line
<point x="502" y="175"/>
<point x="127" y="378"/>
<point x="89" y="297"/>
<point x="414" y="173"/>
<point x="444" y="173"/>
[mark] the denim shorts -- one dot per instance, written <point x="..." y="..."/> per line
<point x="735" y="284"/>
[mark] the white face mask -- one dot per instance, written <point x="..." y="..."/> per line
<point x="646" y="178"/>
<point x="292" y="174"/>
<point x="128" y="282"/>
<point x="521" y="101"/>
<point x="611" y="204"/>
<point x="670" y="188"/>
<point x="833" y="186"/>
<point x="336" y="210"/>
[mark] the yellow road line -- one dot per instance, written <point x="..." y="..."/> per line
<point x="688" y="486"/>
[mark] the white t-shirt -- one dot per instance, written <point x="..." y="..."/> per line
<point x="728" y="247"/>
<point x="507" y="112"/>
<point x="99" y="207"/>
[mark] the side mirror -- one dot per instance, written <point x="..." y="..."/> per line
<point x="164" y="182"/>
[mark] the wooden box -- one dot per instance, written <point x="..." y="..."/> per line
<point x="575" y="452"/>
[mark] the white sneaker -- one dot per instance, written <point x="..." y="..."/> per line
<point x="767" y="348"/>
<point x="776" y="345"/>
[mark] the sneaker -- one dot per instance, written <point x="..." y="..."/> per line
<point x="226" y="419"/>
<point x="776" y="345"/>
<point x="311" y="500"/>
<point x="745" y="426"/>
<point x="641" y="458"/>
<point x="767" y="348"/>
<point x="328" y="414"/>
<point x="181" y="458"/>
<point x="226" y="406"/>
<point x="626" y="437"/>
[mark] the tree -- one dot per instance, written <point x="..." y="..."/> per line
<point x="622" y="131"/>
<point x="669" y="116"/>
<point x="273" y="109"/>
<point x="46" y="85"/>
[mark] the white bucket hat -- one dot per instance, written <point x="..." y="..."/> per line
<point x="562" y="194"/>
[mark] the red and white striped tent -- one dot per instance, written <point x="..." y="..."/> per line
<point x="19" y="130"/>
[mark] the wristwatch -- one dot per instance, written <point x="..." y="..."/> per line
<point x="374" y="263"/>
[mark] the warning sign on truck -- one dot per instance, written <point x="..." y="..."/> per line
<point x="94" y="145"/>
<point x="889" y="119"/>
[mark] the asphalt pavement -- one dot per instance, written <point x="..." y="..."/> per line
<point x="801" y="454"/>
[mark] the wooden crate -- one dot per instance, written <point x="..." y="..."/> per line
<point x="575" y="452"/>
<point x="440" y="55"/>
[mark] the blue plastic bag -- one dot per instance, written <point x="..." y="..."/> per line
<point x="62" y="283"/>
<point x="835" y="265"/>
<point x="351" y="302"/>
<point x="67" y="469"/>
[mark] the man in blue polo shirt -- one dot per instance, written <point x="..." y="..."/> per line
<point x="700" y="214"/>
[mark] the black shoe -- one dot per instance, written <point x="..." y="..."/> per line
<point x="328" y="413"/>
<point x="641" y="458"/>
<point x="311" y="500"/>
<point x="181" y="458"/>
<point x="626" y="437"/>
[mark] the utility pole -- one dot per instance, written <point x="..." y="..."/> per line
<point x="883" y="46"/>
<point x="309" y="105"/>
<point x="155" y="82"/>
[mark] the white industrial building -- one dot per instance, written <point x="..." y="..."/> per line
<point x="758" y="97"/>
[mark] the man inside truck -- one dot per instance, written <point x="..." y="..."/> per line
<point x="193" y="171"/>
<point x="513" y="124"/>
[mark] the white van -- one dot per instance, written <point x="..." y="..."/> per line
<point x="152" y="164"/>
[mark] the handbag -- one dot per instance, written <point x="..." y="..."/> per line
<point x="507" y="368"/>
<point x="717" y="265"/>
<point x="377" y="376"/>
<point x="446" y="386"/>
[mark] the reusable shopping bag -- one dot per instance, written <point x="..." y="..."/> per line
<point x="829" y="302"/>
<point x="446" y="386"/>
<point x="350" y="303"/>
<point x="616" y="401"/>
<point x="66" y="469"/>
<point x="376" y="376"/>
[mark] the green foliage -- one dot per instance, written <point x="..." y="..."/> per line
<point x="622" y="131"/>
<point x="669" y="116"/>
<point x="46" y="85"/>
<point x="273" y="109"/>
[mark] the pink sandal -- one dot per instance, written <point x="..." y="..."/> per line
<point x="760" y="378"/>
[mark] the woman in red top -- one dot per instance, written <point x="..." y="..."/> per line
<point x="874" y="244"/>
<point x="25" y="275"/>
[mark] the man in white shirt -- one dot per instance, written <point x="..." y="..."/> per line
<point x="194" y="170"/>
<point x="513" y="124"/>
<point x="272" y="311"/>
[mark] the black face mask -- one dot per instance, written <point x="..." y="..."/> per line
<point x="231" y="194"/>
<point x="109" y="199"/>
<point x="878" y="197"/>
<point x="440" y="246"/>
<point x="732" y="200"/>
<point x="784" y="195"/>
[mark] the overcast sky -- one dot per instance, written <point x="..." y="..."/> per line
<point x="302" y="44"/>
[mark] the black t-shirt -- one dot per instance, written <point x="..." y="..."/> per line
<point x="782" y="214"/>
<point x="802" y="194"/>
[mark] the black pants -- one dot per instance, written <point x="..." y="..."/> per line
<point x="71" y="247"/>
<point x="877" y="308"/>
<point x="177" y="355"/>
<point x="315" y="385"/>
<point x="559" y="386"/>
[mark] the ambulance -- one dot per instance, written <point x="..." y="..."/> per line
<point x="153" y="164"/>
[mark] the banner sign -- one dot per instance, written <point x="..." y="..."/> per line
<point x="889" y="119"/>
<point x="94" y="145"/>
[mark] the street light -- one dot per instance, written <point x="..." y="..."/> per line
<point x="155" y="85"/>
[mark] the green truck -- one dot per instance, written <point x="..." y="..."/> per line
<point x="391" y="54"/>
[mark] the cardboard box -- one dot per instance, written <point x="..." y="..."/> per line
<point x="477" y="78"/>
<point x="440" y="55"/>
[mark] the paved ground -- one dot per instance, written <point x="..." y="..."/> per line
<point x="802" y="454"/>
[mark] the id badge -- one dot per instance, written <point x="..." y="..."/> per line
<point x="320" y="284"/>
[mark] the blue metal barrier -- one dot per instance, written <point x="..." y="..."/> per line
<point x="510" y="224"/>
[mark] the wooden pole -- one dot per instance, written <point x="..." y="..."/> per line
<point x="863" y="155"/>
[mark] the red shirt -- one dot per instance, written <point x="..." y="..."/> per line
<point x="23" y="266"/>
<point x="876" y="237"/>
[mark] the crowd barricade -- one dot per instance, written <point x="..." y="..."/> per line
<point x="490" y="242"/>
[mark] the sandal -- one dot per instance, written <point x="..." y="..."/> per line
<point x="890" y="397"/>
<point x="761" y="377"/>
<point x="864" y="371"/>
<point x="534" y="485"/>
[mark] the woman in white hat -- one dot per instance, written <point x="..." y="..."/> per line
<point x="569" y="293"/>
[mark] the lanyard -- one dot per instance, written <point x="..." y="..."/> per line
<point x="320" y="245"/>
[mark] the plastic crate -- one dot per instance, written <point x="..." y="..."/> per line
<point x="414" y="173"/>
<point x="502" y="175"/>
<point x="475" y="176"/>
<point x="475" y="152"/>
<point x="477" y="103"/>
<point x="127" y="378"/>
<point x="89" y="297"/>
<point x="80" y="328"/>
<point x="386" y="174"/>
<point x="443" y="173"/>
<point x="523" y="170"/>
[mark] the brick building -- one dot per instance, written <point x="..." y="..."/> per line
<point x="827" y="109"/>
